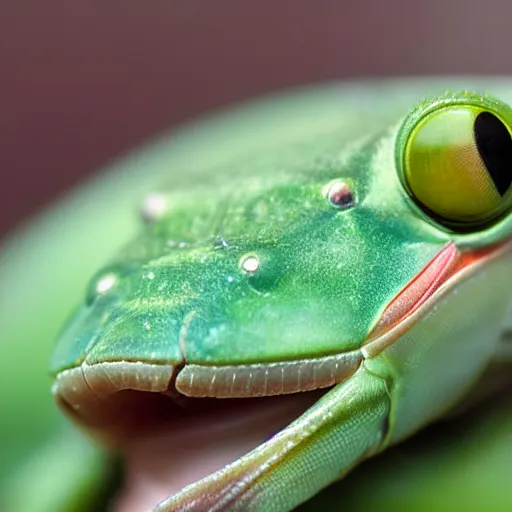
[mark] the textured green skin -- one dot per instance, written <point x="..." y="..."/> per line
<point x="302" y="242"/>
<point x="309" y="137"/>
<point x="311" y="291"/>
<point x="275" y="209"/>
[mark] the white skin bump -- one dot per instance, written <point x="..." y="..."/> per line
<point x="250" y="264"/>
<point x="106" y="283"/>
<point x="153" y="207"/>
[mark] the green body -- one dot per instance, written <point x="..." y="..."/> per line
<point x="252" y="184"/>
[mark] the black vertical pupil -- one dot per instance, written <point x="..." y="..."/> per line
<point x="495" y="147"/>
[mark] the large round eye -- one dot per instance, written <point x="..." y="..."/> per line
<point x="455" y="158"/>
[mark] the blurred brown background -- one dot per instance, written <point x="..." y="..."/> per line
<point x="83" y="80"/>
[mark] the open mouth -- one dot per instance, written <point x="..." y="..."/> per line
<point x="171" y="437"/>
<point x="169" y="443"/>
<point x="200" y="441"/>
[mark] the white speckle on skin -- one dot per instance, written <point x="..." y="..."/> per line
<point x="250" y="263"/>
<point x="153" y="207"/>
<point x="106" y="283"/>
<point x="150" y="276"/>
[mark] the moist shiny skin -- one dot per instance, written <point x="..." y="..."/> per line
<point x="270" y="267"/>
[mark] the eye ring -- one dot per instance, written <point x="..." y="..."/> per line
<point x="454" y="159"/>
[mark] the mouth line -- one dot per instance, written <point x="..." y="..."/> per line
<point x="120" y="401"/>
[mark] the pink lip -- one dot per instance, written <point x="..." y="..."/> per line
<point x="417" y="291"/>
<point x="441" y="273"/>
